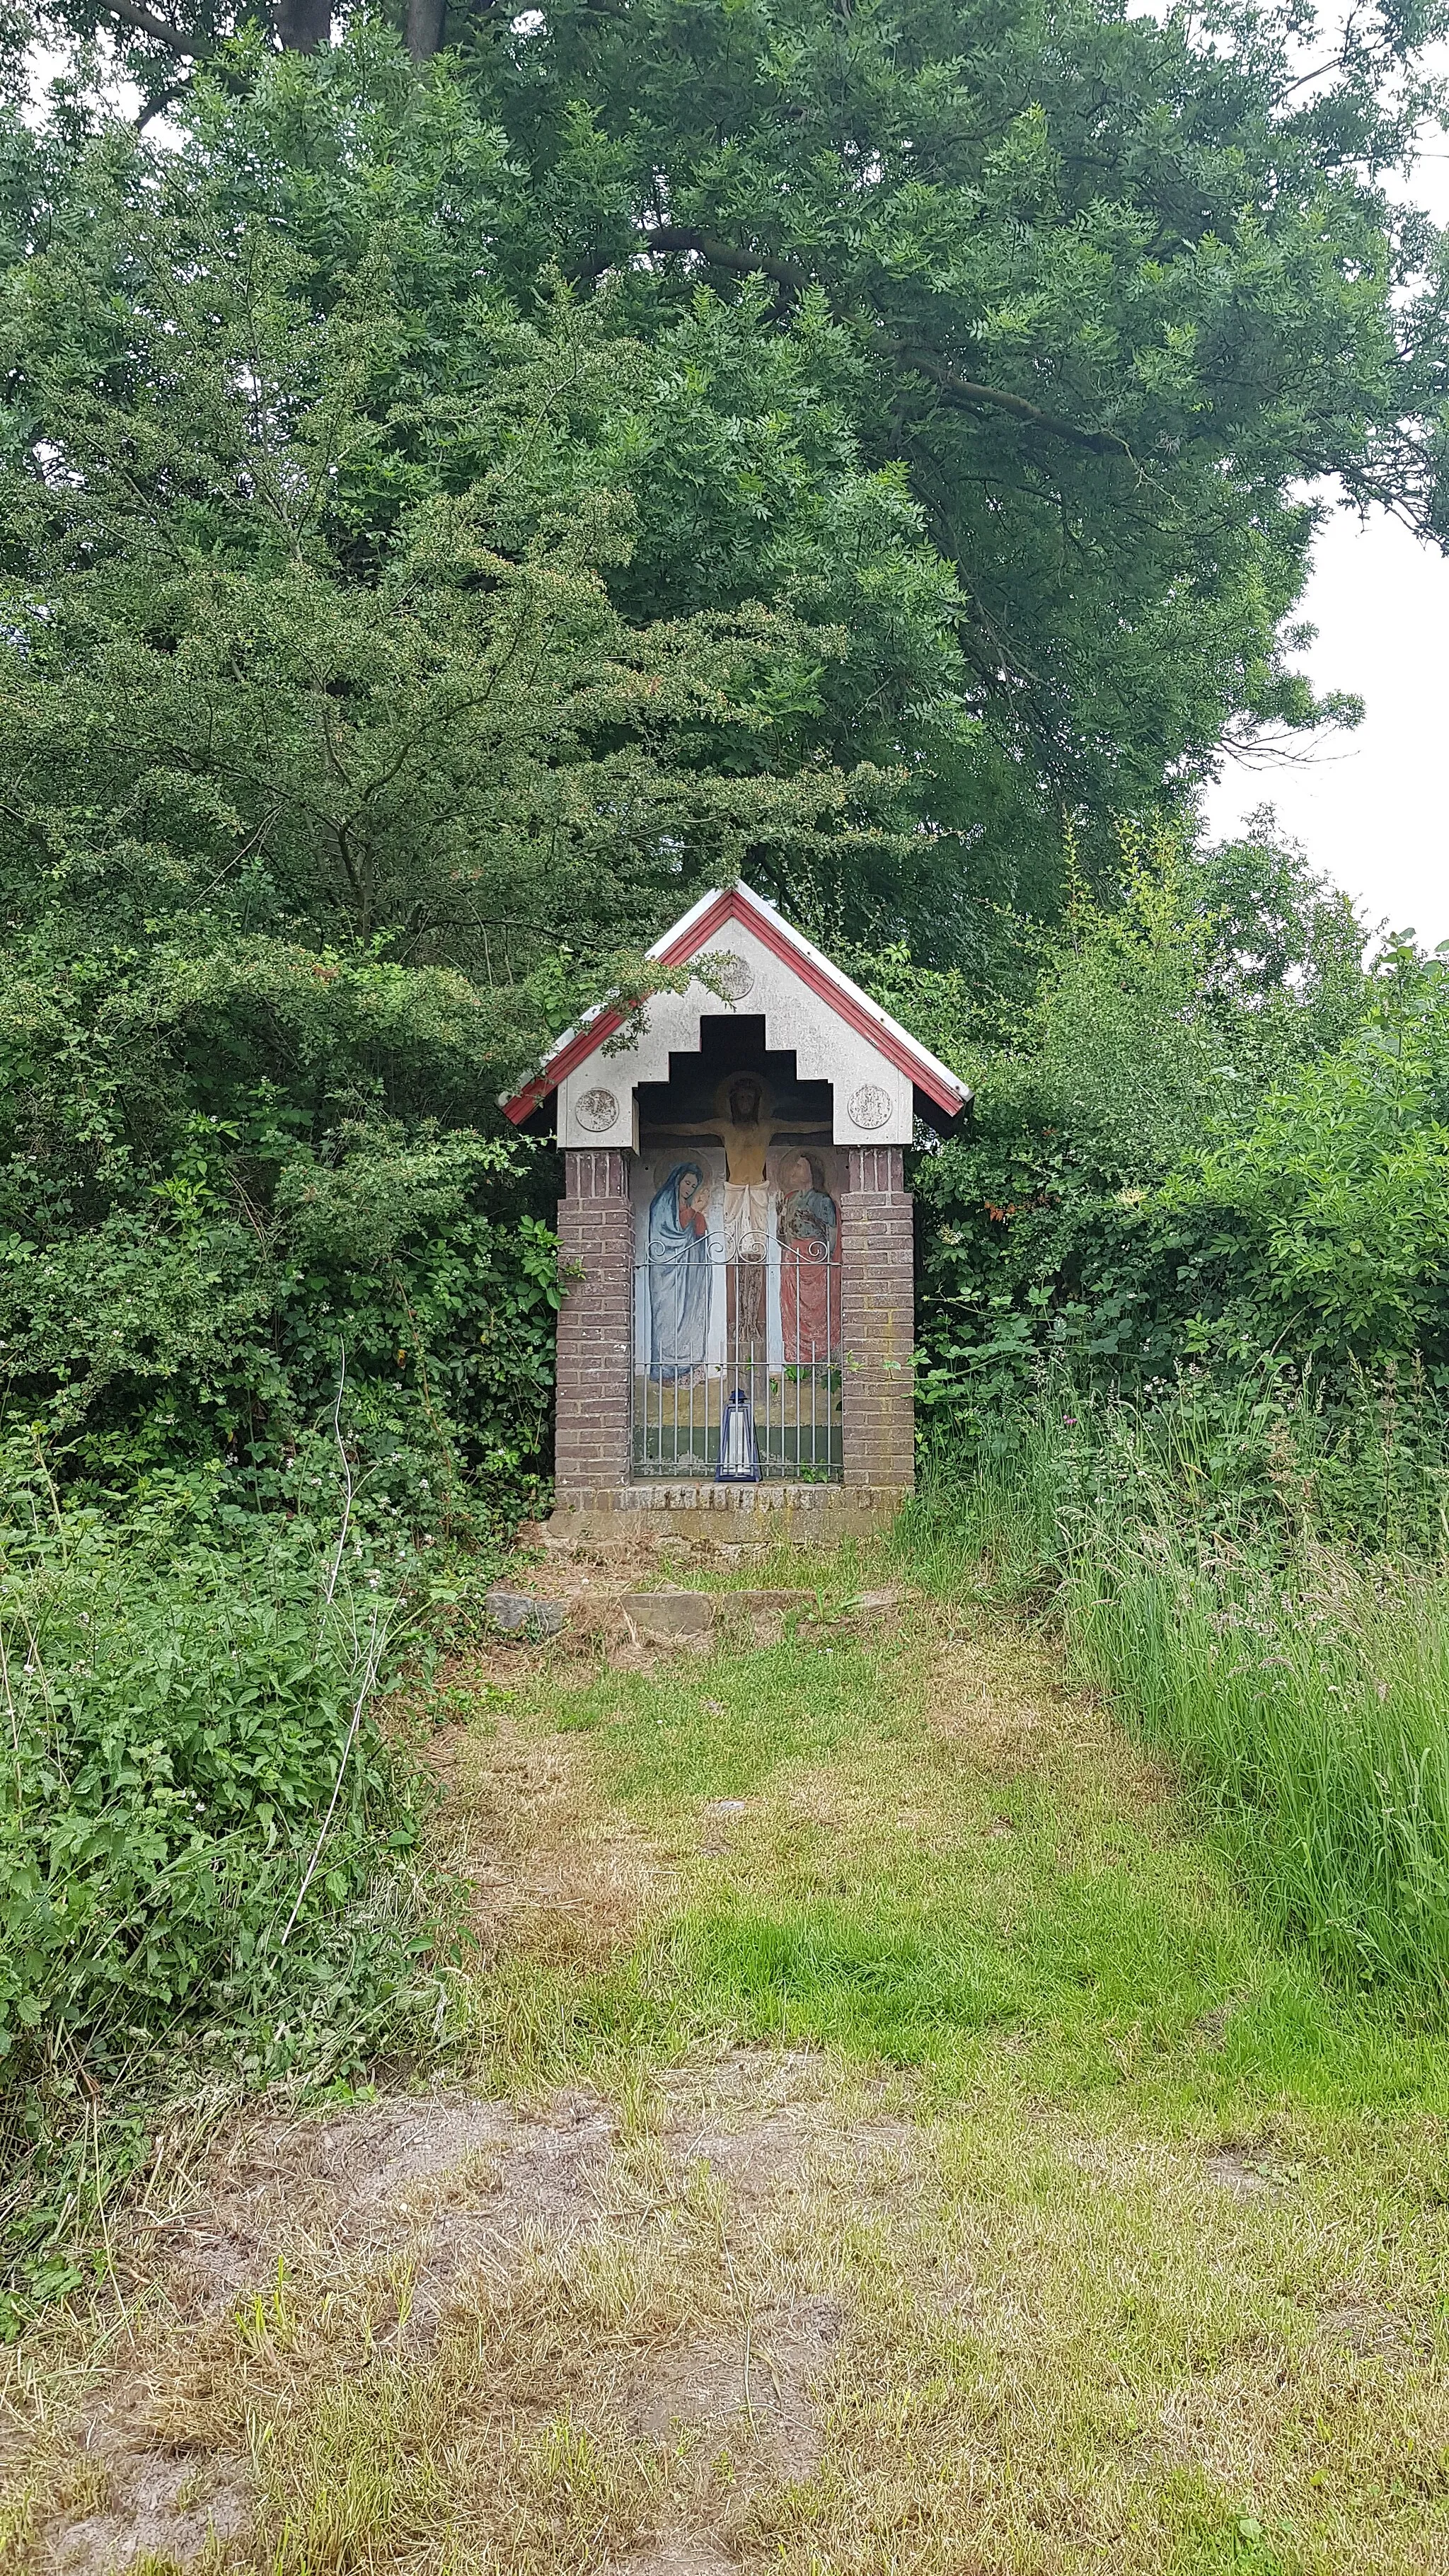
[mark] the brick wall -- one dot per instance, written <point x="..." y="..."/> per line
<point x="595" y="1325"/>
<point x="877" y="1316"/>
<point x="595" y="1328"/>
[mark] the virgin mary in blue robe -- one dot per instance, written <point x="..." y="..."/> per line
<point x="680" y="1272"/>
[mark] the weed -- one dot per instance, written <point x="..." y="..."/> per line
<point x="208" y="1870"/>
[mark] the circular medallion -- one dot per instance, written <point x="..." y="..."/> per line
<point x="596" y="1110"/>
<point x="870" y="1106"/>
<point x="736" y="977"/>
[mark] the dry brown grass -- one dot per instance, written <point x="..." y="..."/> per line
<point x="778" y="2320"/>
<point x="524" y="1830"/>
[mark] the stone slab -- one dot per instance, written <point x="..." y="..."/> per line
<point x="523" y="1613"/>
<point x="674" y="1616"/>
<point x="765" y="1515"/>
<point x="669" y="1618"/>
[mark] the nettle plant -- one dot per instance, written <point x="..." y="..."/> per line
<point x="183" y="1724"/>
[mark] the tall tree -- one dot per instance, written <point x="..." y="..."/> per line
<point x="450" y="518"/>
<point x="350" y="739"/>
<point x="1115" y="294"/>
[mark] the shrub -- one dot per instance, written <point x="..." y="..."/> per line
<point x="208" y="1864"/>
<point x="176" y="1737"/>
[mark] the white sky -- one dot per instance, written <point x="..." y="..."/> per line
<point x="1372" y="807"/>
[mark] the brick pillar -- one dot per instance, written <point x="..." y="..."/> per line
<point x="595" y="1325"/>
<point x="877" y="1320"/>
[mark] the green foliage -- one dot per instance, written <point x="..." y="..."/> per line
<point x="450" y="521"/>
<point x="1111" y="288"/>
<point x="178" y="1715"/>
<point x="209" y="1866"/>
<point x="216" y="1312"/>
<point x="1209" y="1131"/>
<point x="1107" y="290"/>
<point x="417" y="587"/>
<point x="343" y="777"/>
<point x="1260" y="1580"/>
<point x="1334" y="1202"/>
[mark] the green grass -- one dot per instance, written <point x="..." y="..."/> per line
<point x="1315" y="1709"/>
<point x="676" y="1738"/>
<point x="1298" y="1681"/>
<point x="887" y="1893"/>
<point x="953" y="1879"/>
<point x="1133" y="2223"/>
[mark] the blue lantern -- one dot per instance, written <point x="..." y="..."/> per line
<point x="739" y="1459"/>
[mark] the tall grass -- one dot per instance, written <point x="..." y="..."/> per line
<point x="1261" y="1582"/>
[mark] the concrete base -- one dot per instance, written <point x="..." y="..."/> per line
<point x="772" y="1515"/>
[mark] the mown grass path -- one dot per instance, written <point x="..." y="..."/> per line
<point x="919" y="2161"/>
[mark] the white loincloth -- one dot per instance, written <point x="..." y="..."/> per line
<point x="746" y="1220"/>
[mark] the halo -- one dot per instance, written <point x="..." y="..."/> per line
<point x="742" y="1073"/>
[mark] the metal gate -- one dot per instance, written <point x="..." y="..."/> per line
<point x="768" y="1329"/>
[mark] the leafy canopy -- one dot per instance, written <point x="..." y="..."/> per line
<point x="452" y="517"/>
<point x="1108" y="291"/>
<point x="351" y="747"/>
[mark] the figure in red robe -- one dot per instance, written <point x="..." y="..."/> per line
<point x="808" y="1230"/>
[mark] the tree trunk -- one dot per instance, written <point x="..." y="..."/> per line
<point x="425" y="28"/>
<point x="303" y="25"/>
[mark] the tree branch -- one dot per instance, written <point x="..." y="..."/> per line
<point x="425" y="28"/>
<point x="958" y="390"/>
<point x="722" y="254"/>
<point x="161" y="32"/>
<point x="303" y="26"/>
<point x="963" y="395"/>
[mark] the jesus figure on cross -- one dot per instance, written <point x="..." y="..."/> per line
<point x="744" y="1124"/>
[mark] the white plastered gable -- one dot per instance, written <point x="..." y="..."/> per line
<point x="835" y="1032"/>
<point x="874" y="1102"/>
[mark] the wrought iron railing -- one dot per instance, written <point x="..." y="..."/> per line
<point x="766" y="1329"/>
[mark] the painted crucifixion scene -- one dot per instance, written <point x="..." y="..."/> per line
<point x="737" y="1232"/>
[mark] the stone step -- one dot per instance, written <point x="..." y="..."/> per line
<point x="670" y="1614"/>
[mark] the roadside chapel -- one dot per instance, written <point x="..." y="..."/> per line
<point x="738" y="1327"/>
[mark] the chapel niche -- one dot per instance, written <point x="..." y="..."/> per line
<point x="736" y="1199"/>
<point x="735" y="1236"/>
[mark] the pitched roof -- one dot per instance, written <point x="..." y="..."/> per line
<point x="692" y="934"/>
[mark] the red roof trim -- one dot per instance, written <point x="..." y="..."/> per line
<point x="580" y="1045"/>
<point x="772" y="933"/>
<point x="857" y="1015"/>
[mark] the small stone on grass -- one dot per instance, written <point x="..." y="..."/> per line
<point x="523" y="1613"/>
